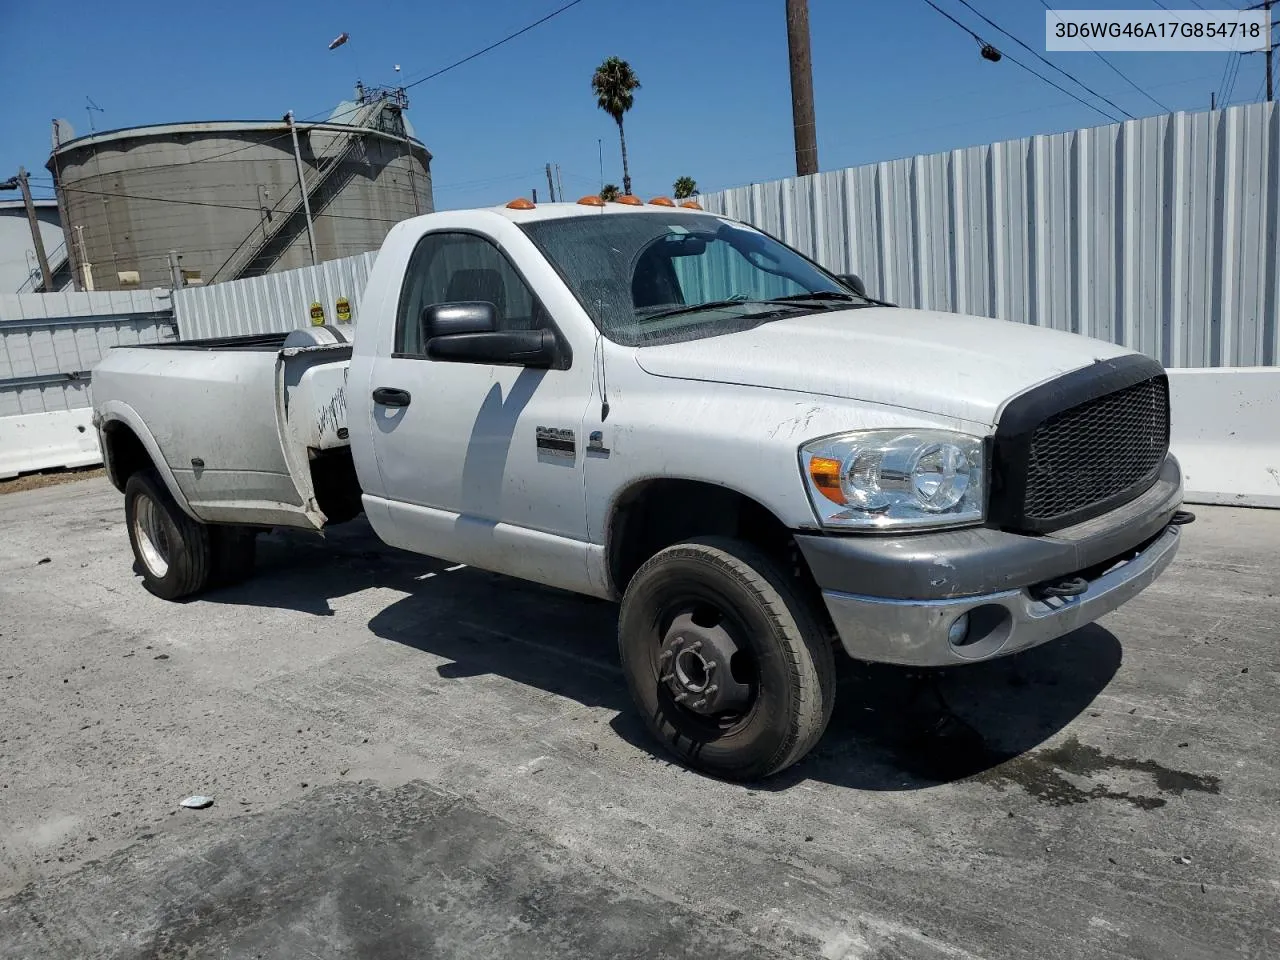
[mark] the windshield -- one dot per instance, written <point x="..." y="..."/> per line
<point x="657" y="278"/>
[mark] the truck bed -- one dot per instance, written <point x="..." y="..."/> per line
<point x="261" y="342"/>
<point x="250" y="430"/>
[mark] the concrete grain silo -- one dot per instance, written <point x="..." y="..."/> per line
<point x="225" y="195"/>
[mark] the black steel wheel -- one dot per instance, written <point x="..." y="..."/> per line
<point x="726" y="662"/>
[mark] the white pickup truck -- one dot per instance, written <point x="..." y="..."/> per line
<point x="657" y="405"/>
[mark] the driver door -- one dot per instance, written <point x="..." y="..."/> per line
<point x="479" y="463"/>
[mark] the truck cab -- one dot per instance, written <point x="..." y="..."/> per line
<point x="668" y="408"/>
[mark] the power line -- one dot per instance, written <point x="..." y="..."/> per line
<point x="431" y="76"/>
<point x="1231" y="83"/>
<point x="508" y="37"/>
<point x="1010" y="57"/>
<point x="1044" y="60"/>
<point x="256" y="143"/>
<point x="1226" y="70"/>
<point x="222" y="206"/>
<point x="1118" y="71"/>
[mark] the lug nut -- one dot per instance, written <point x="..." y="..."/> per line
<point x="667" y="678"/>
<point x="711" y="689"/>
<point x="681" y="697"/>
<point x="699" y="703"/>
<point x="666" y="655"/>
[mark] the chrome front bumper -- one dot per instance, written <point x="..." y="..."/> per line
<point x="915" y="632"/>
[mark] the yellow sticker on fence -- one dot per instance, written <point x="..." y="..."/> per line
<point x="317" y="314"/>
<point x="344" y="310"/>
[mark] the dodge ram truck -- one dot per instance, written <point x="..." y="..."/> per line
<point x="649" y="403"/>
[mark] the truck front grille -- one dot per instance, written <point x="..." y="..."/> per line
<point x="1080" y="445"/>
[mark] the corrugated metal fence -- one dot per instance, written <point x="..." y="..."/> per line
<point x="50" y="342"/>
<point x="273" y="303"/>
<point x="1159" y="234"/>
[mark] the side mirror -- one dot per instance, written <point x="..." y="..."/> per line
<point x="519" y="348"/>
<point x="853" y="282"/>
<point x="449" y="319"/>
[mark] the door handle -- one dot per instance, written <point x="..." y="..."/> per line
<point x="391" y="397"/>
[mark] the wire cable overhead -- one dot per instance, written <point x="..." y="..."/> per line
<point x="1049" y="63"/>
<point x="1123" y="76"/>
<point x="983" y="43"/>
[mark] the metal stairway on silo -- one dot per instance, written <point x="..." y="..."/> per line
<point x="255" y="257"/>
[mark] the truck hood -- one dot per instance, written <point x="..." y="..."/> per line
<point x="939" y="363"/>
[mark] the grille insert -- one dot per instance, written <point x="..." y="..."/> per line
<point x="1090" y="453"/>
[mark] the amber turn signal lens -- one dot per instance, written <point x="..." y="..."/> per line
<point x="691" y="205"/>
<point x="662" y="202"/>
<point x="630" y="200"/>
<point x="520" y="203"/>
<point x="825" y="473"/>
<point x="591" y="201"/>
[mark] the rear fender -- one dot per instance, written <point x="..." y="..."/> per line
<point x="120" y="412"/>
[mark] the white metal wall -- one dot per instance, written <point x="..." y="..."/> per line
<point x="1159" y="234"/>
<point x="50" y="342"/>
<point x="273" y="303"/>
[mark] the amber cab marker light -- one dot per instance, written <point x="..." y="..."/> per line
<point x="662" y="202"/>
<point x="520" y="203"/>
<point x="691" y="205"/>
<point x="631" y="200"/>
<point x="825" y="474"/>
<point x="591" y="201"/>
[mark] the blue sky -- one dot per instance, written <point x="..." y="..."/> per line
<point x="891" y="79"/>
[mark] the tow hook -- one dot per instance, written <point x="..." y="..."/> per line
<point x="1064" y="588"/>
<point x="1182" y="518"/>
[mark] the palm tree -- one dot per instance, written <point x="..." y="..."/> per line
<point x="609" y="192"/>
<point x="685" y="187"/>
<point x="613" y="84"/>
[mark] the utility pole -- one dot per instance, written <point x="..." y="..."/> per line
<point x="551" y="186"/>
<point x="302" y="186"/>
<point x="1213" y="99"/>
<point x="20" y="183"/>
<point x="175" y="271"/>
<point x="806" y="130"/>
<point x="559" y="184"/>
<point x="1271" y="94"/>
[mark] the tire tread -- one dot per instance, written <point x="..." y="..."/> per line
<point x="809" y="655"/>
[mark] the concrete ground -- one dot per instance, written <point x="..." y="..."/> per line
<point x="414" y="761"/>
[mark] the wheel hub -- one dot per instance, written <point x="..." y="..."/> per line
<point x="694" y="665"/>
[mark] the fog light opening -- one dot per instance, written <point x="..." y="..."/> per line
<point x="958" y="632"/>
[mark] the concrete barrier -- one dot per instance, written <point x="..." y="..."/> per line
<point x="39" y="441"/>
<point x="1226" y="433"/>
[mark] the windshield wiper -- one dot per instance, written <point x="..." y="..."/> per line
<point x="709" y="305"/>
<point x="861" y="299"/>
<point x="819" y="295"/>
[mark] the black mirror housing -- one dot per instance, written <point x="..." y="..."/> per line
<point x="518" y="348"/>
<point x="449" y="319"/>
<point x="854" y="283"/>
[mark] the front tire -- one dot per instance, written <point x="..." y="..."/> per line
<point x="172" y="550"/>
<point x="727" y="664"/>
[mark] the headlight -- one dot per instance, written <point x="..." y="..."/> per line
<point x="895" y="478"/>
